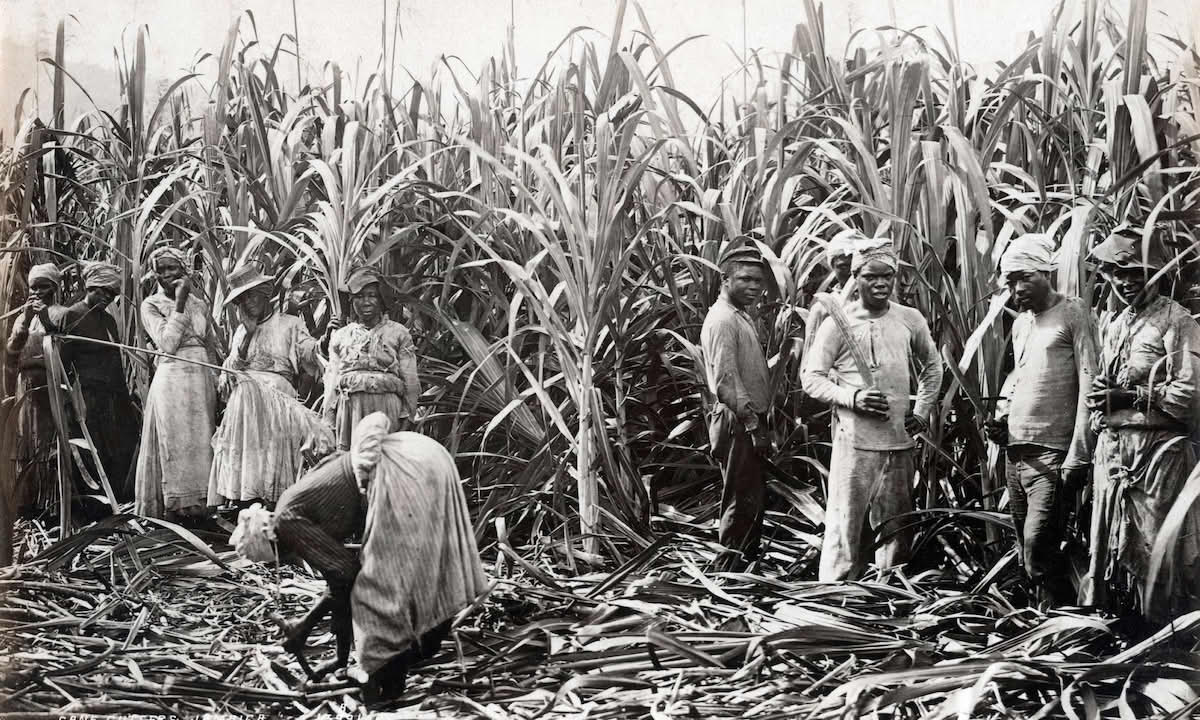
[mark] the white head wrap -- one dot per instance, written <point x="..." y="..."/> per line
<point x="1033" y="252"/>
<point x="841" y="244"/>
<point x="101" y="275"/>
<point x="873" y="249"/>
<point x="366" y="446"/>
<point x="45" y="271"/>
<point x="254" y="537"/>
<point x="166" y="252"/>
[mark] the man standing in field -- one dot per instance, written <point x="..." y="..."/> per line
<point x="1045" y="426"/>
<point x="736" y="371"/>
<point x="871" y="469"/>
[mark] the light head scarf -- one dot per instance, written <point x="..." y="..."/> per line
<point x="1032" y="252"/>
<point x="102" y="275"/>
<point x="254" y="538"/>
<point x="166" y="252"/>
<point x="45" y="271"/>
<point x="366" y="447"/>
<point x="873" y="250"/>
<point x="841" y="245"/>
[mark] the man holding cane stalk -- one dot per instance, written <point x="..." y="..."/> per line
<point x="859" y="364"/>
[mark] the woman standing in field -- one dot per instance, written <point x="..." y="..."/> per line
<point x="110" y="412"/>
<point x="372" y="364"/>
<point x="36" y="483"/>
<point x="265" y="431"/>
<point x="181" y="405"/>
<point x="1143" y="404"/>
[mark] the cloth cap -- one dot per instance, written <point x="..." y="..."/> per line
<point x="740" y="250"/>
<point x="1032" y="252"/>
<point x="45" y="271"/>
<point x="166" y="252"/>
<point x="842" y="245"/>
<point x="254" y="536"/>
<point x="244" y="279"/>
<point x="1124" y="248"/>
<point x="101" y="275"/>
<point x="361" y="278"/>
<point x="873" y="249"/>
<point x="366" y="445"/>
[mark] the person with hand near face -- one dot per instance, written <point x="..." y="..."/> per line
<point x="871" y="470"/>
<point x="181" y="406"/>
<point x="111" y="416"/>
<point x="266" y="432"/>
<point x="736" y="369"/>
<point x="372" y="364"/>
<point x="35" y="455"/>
<point x="1143" y="404"/>
<point x="1045" y="424"/>
<point x="838" y="255"/>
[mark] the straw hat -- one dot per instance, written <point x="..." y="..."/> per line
<point x="244" y="279"/>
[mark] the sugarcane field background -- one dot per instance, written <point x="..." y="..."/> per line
<point x="551" y="240"/>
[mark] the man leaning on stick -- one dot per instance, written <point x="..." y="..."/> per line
<point x="860" y="364"/>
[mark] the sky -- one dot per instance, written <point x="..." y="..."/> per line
<point x="474" y="30"/>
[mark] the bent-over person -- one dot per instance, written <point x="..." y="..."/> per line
<point x="736" y="371"/>
<point x="419" y="565"/>
<point x="872" y="467"/>
<point x="1045" y="426"/>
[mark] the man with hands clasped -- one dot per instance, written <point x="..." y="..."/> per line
<point x="872" y="468"/>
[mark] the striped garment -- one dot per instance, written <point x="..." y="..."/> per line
<point x="420" y="563"/>
<point x="317" y="514"/>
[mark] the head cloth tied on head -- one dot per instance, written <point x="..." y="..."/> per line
<point x="842" y="245"/>
<point x="254" y="536"/>
<point x="366" y="445"/>
<point x="102" y="275"/>
<point x="1032" y="252"/>
<point x="167" y="253"/>
<point x="45" y="271"/>
<point x="873" y="250"/>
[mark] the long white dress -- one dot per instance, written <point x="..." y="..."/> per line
<point x="257" y="451"/>
<point x="175" y="458"/>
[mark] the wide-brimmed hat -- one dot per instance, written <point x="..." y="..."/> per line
<point x="360" y="278"/>
<point x="244" y="279"/>
<point x="1124" y="248"/>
